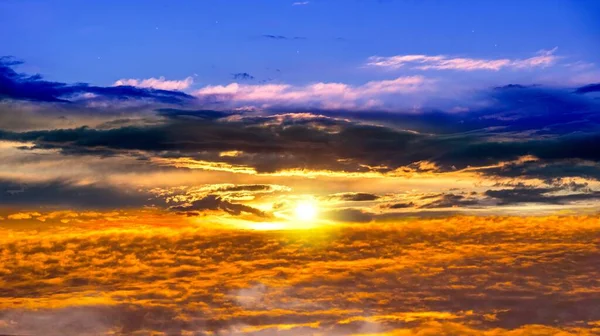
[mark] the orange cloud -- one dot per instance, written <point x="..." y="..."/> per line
<point x="145" y="272"/>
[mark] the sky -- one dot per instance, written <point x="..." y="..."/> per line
<point x="357" y="167"/>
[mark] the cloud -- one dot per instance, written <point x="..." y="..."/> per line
<point x="354" y="197"/>
<point x="157" y="83"/>
<point x="17" y="86"/>
<point x="349" y="215"/>
<point x="214" y="202"/>
<point x="543" y="58"/>
<point x="482" y="276"/>
<point x="23" y="215"/>
<point x="300" y="3"/>
<point x="322" y="95"/>
<point x="243" y="76"/>
<point x="278" y="142"/>
<point x="540" y="195"/>
<point x="70" y="195"/>
<point x="403" y="205"/>
<point x="282" y="37"/>
<point x="224" y="192"/>
<point x="512" y="132"/>
<point x="588" y="88"/>
<point x="451" y="201"/>
<point x="553" y="128"/>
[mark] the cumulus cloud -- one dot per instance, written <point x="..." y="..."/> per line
<point x="543" y="58"/>
<point x="157" y="83"/>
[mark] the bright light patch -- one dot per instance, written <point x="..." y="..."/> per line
<point x="306" y="211"/>
<point x="267" y="226"/>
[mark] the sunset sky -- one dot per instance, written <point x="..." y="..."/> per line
<point x="323" y="167"/>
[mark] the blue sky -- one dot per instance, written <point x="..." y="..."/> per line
<point x="100" y="42"/>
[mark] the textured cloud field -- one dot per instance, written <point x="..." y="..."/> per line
<point x="453" y="276"/>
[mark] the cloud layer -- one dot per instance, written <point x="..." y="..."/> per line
<point x="453" y="276"/>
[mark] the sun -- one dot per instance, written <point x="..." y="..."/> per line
<point x="306" y="211"/>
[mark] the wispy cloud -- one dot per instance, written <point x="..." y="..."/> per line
<point x="157" y="83"/>
<point x="301" y="3"/>
<point x="282" y="37"/>
<point x="543" y="58"/>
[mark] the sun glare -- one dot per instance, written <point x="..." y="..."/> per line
<point x="306" y="211"/>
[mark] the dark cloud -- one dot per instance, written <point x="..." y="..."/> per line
<point x="540" y="195"/>
<point x="275" y="37"/>
<point x="451" y="201"/>
<point x="349" y="215"/>
<point x="193" y="114"/>
<point x="554" y="192"/>
<point x="355" y="197"/>
<point x="243" y="76"/>
<point x="588" y="88"/>
<point x="66" y="194"/>
<point x="572" y="146"/>
<point x="282" y="37"/>
<point x="401" y="205"/>
<point x="246" y="187"/>
<point x="272" y="143"/>
<point x="214" y="202"/>
<point x="545" y="170"/>
<point x="18" y="86"/>
<point x="511" y="86"/>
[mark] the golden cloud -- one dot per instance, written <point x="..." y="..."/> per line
<point x="141" y="273"/>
